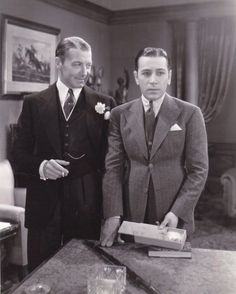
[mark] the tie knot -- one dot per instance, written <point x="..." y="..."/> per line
<point x="70" y="92"/>
<point x="70" y="96"/>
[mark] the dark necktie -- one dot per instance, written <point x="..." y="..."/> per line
<point x="69" y="103"/>
<point x="149" y="125"/>
<point x="150" y="121"/>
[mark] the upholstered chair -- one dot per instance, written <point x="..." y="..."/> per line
<point x="228" y="180"/>
<point x="12" y="202"/>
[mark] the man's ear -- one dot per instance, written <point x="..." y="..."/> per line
<point x="58" y="63"/>
<point x="169" y="76"/>
<point x="136" y="77"/>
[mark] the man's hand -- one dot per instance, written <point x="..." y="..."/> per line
<point x="53" y="169"/>
<point x="170" y="220"/>
<point x="109" y="231"/>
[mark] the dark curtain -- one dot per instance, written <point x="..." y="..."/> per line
<point x="217" y="43"/>
<point x="216" y="57"/>
<point x="178" y="58"/>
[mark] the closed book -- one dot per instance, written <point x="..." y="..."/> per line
<point x="186" y="252"/>
<point x="153" y="235"/>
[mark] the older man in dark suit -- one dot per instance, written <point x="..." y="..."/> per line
<point x="61" y="144"/>
<point x="157" y="161"/>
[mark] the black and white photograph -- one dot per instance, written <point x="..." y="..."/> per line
<point x="117" y="147"/>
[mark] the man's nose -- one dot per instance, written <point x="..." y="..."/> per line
<point x="84" y="70"/>
<point x="153" y="79"/>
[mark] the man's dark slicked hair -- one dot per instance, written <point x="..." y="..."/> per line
<point x="151" y="52"/>
<point x="71" y="42"/>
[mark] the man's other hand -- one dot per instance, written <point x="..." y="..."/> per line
<point x="109" y="231"/>
<point x="170" y="220"/>
<point x="54" y="169"/>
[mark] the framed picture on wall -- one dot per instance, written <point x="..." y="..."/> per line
<point x="28" y="55"/>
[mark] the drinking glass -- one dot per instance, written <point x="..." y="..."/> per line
<point x="106" y="279"/>
<point x="38" y="288"/>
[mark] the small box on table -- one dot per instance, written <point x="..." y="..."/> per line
<point x="168" y="237"/>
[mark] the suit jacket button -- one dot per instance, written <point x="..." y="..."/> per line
<point x="150" y="165"/>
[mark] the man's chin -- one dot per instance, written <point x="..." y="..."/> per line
<point x="79" y="85"/>
<point x="155" y="95"/>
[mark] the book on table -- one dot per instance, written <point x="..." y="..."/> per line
<point x="185" y="252"/>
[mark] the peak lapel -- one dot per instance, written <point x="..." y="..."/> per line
<point x="167" y="116"/>
<point x="136" y="123"/>
<point x="49" y="114"/>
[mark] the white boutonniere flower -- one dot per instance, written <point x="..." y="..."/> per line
<point x="101" y="108"/>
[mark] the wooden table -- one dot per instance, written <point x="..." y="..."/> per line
<point x="208" y="272"/>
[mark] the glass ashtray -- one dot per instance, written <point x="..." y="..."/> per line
<point x="38" y="289"/>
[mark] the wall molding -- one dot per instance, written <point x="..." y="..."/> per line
<point x="168" y="13"/>
<point x="80" y="7"/>
<point x="182" y="12"/>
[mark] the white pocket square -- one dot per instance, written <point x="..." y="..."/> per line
<point x="175" y="127"/>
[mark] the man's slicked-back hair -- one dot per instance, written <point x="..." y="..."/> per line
<point x="71" y="42"/>
<point x="152" y="52"/>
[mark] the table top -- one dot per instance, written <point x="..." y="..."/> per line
<point x="66" y="271"/>
<point x="209" y="271"/>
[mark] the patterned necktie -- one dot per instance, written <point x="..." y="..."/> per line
<point x="149" y="125"/>
<point x="69" y="103"/>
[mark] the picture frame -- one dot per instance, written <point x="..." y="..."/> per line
<point x="28" y="55"/>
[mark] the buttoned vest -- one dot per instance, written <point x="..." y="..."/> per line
<point x="76" y="146"/>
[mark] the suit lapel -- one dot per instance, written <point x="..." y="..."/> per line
<point x="136" y="124"/>
<point x="48" y="112"/>
<point x="167" y="116"/>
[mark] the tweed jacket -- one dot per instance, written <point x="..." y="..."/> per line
<point x="178" y="162"/>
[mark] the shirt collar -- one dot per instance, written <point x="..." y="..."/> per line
<point x="156" y="104"/>
<point x="63" y="91"/>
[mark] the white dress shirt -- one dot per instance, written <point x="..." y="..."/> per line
<point x="63" y="94"/>
<point x="156" y="104"/>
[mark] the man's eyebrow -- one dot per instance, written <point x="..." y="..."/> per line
<point x="161" y="69"/>
<point x="146" y="69"/>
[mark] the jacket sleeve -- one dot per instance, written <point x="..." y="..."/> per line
<point x="25" y="160"/>
<point x="196" y="166"/>
<point x="114" y="169"/>
<point x="104" y="142"/>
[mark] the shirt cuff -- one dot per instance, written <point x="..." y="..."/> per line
<point x="41" y="170"/>
<point x="116" y="216"/>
